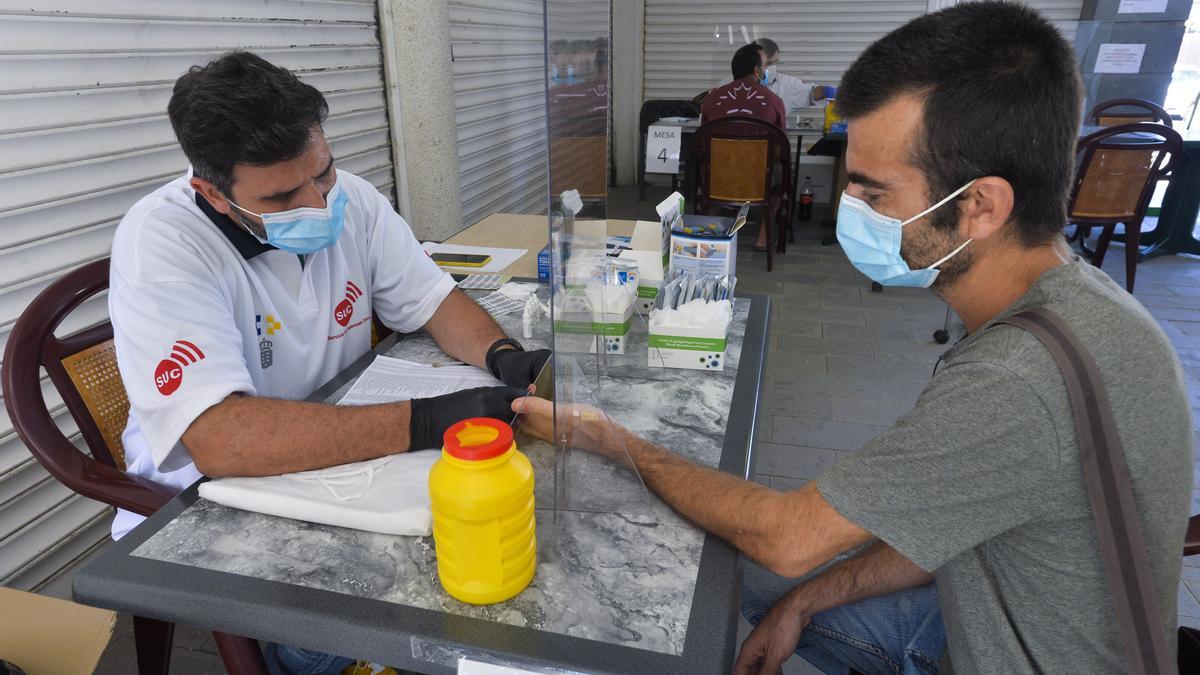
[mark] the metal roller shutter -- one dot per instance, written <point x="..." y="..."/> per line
<point x="499" y="106"/>
<point x="689" y="42"/>
<point x="84" y="134"/>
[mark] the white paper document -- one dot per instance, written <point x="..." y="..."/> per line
<point x="388" y="380"/>
<point x="1119" y="58"/>
<point x="1142" y="7"/>
<point x="501" y="257"/>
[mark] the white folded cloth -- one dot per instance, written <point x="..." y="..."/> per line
<point x="389" y="495"/>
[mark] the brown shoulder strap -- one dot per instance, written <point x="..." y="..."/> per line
<point x="1110" y="493"/>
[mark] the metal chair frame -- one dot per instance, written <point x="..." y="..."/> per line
<point x="779" y="158"/>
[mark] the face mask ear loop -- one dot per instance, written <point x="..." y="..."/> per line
<point x="951" y="255"/>
<point x="938" y="205"/>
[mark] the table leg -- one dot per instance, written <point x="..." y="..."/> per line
<point x="1181" y="205"/>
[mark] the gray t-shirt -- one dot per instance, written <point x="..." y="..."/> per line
<point x="981" y="482"/>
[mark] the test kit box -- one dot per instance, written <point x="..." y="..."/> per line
<point x="580" y="327"/>
<point x="543" y="263"/>
<point x="705" y="244"/>
<point x="648" y="252"/>
<point x="687" y="347"/>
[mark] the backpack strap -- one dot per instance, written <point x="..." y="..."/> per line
<point x="1110" y="493"/>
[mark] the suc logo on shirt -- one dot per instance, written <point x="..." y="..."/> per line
<point x="169" y="373"/>
<point x="345" y="308"/>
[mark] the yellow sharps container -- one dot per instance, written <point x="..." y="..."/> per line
<point x="481" y="492"/>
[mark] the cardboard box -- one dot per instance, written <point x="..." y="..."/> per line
<point x="40" y="634"/>
<point x="700" y="245"/>
<point x="687" y="347"/>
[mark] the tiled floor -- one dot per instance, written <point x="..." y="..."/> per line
<point x="844" y="364"/>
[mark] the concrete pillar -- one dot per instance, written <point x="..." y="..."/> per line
<point x="1162" y="34"/>
<point x="629" y="30"/>
<point x="417" y="54"/>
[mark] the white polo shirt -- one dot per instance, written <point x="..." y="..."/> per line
<point x="201" y="310"/>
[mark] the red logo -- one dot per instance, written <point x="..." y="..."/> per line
<point x="345" y="308"/>
<point x="169" y="373"/>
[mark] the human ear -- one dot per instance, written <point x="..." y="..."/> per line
<point x="986" y="207"/>
<point x="211" y="194"/>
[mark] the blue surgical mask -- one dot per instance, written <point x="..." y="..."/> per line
<point x="768" y="75"/>
<point x="305" y="230"/>
<point x="871" y="241"/>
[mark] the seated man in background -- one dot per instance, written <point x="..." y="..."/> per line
<point x="795" y="92"/>
<point x="745" y="96"/>
<point x="980" y="547"/>
<point x="238" y="289"/>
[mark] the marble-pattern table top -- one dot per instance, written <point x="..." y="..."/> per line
<point x="614" y="563"/>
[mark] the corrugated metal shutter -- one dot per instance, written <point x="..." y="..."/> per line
<point x="499" y="106"/>
<point x="689" y="42"/>
<point x="84" y="133"/>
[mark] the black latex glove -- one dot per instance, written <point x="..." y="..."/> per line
<point x="431" y="417"/>
<point x="519" y="369"/>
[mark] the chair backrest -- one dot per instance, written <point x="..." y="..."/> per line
<point x="658" y="108"/>
<point x="1118" y="167"/>
<point x="1120" y="111"/>
<point x="97" y="404"/>
<point x="737" y="159"/>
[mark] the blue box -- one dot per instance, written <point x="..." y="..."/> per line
<point x="543" y="263"/>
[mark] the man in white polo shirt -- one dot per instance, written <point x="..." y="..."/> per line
<point x="240" y="288"/>
<point x="795" y="92"/>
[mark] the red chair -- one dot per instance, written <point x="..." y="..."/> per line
<point x="1120" y="111"/>
<point x="738" y="160"/>
<point x="83" y="368"/>
<point x="1115" y="181"/>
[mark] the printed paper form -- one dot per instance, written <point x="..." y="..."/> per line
<point x="388" y="380"/>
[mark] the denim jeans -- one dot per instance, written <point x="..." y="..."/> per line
<point x="287" y="660"/>
<point x="897" y="633"/>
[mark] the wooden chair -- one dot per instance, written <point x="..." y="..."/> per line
<point x="83" y="368"/>
<point x="652" y="111"/>
<point x="1114" y="184"/>
<point x="737" y="161"/>
<point x="1120" y="111"/>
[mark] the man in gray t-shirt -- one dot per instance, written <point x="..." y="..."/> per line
<point x="981" y="481"/>
<point x="961" y="538"/>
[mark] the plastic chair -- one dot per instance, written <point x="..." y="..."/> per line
<point x="737" y="158"/>
<point x="652" y="111"/>
<point x="1120" y="111"/>
<point x="1114" y="184"/>
<point x="83" y="368"/>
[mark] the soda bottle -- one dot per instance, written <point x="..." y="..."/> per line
<point x="806" y="199"/>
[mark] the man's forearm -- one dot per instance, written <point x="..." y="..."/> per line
<point x="877" y="571"/>
<point x="789" y="533"/>
<point x="463" y="329"/>
<point x="251" y="436"/>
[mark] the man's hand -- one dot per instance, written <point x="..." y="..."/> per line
<point x="773" y="640"/>
<point x="517" y="368"/>
<point x="584" y="427"/>
<point x="432" y="416"/>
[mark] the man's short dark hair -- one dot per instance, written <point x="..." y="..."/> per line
<point x="240" y="109"/>
<point x="768" y="46"/>
<point x="1001" y="93"/>
<point x="745" y="60"/>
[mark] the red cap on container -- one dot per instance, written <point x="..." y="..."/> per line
<point x="478" y="438"/>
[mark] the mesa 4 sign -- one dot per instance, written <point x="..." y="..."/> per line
<point x="169" y="373"/>
<point x="345" y="308"/>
